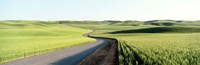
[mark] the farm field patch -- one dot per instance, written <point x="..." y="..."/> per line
<point x="154" y="45"/>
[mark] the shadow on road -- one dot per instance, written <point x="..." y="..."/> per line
<point x="75" y="59"/>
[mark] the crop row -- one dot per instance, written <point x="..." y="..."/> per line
<point x="133" y="55"/>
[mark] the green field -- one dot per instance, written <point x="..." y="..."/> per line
<point x="159" y="48"/>
<point x="153" y="44"/>
<point x="20" y="39"/>
<point x="157" y="42"/>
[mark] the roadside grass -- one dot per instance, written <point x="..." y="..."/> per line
<point x="24" y="39"/>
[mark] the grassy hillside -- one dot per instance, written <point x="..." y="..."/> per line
<point x="161" y="30"/>
<point x="172" y="23"/>
<point x="169" y="43"/>
<point x="153" y="45"/>
<point x="19" y="39"/>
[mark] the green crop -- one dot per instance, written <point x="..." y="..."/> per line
<point x="160" y="43"/>
<point x="167" y="49"/>
<point x="150" y="45"/>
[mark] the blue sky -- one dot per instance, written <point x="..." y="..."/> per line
<point x="99" y="9"/>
